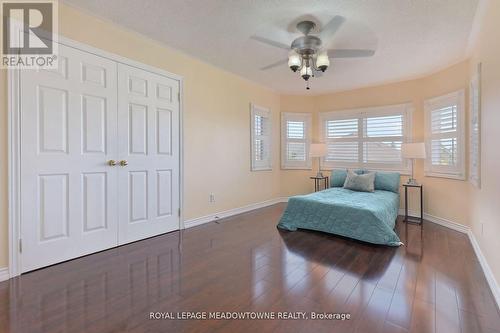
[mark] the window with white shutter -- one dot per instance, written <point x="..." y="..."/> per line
<point x="367" y="138"/>
<point x="444" y="136"/>
<point x="261" y="138"/>
<point x="295" y="140"/>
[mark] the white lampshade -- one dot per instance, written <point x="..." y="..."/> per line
<point x="306" y="71"/>
<point x="322" y="62"/>
<point x="317" y="150"/>
<point x="413" y="150"/>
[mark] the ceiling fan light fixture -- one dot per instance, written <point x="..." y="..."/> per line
<point x="294" y="61"/>
<point x="322" y="61"/>
<point x="307" y="56"/>
<point x="306" y="72"/>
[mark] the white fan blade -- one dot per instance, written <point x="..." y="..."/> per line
<point x="350" y="53"/>
<point x="278" y="63"/>
<point x="331" y="28"/>
<point x="271" y="42"/>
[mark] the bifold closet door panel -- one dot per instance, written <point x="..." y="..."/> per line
<point x="148" y="128"/>
<point x="68" y="133"/>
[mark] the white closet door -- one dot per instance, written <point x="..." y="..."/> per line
<point x="69" y="132"/>
<point x="148" y="128"/>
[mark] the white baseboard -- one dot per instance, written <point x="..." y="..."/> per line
<point x="4" y="274"/>
<point x="438" y="220"/>
<point x="231" y="212"/>
<point x="492" y="282"/>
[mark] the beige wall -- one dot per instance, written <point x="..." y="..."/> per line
<point x="444" y="198"/>
<point x="485" y="203"/>
<point x="216" y="122"/>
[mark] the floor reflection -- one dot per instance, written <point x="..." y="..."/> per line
<point x="414" y="241"/>
<point x="336" y="252"/>
<point x="94" y="293"/>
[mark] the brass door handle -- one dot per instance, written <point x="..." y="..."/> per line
<point x="123" y="163"/>
<point x="111" y="162"/>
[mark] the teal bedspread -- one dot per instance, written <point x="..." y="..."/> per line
<point x="368" y="217"/>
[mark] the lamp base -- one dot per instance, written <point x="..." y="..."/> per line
<point x="319" y="174"/>
<point x="412" y="181"/>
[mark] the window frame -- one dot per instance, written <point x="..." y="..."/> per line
<point x="454" y="98"/>
<point x="306" y="118"/>
<point x="266" y="164"/>
<point x="361" y="114"/>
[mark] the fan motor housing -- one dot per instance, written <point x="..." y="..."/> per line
<point x="306" y="45"/>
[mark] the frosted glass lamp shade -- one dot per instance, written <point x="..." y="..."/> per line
<point x="317" y="150"/>
<point x="294" y="61"/>
<point x="322" y="62"/>
<point x="413" y="150"/>
<point x="306" y="72"/>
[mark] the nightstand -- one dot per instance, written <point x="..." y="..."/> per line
<point x="318" y="182"/>
<point x="414" y="219"/>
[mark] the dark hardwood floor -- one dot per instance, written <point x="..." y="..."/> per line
<point x="433" y="284"/>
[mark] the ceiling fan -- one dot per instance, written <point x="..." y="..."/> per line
<point x="306" y="53"/>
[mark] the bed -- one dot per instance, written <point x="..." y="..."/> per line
<point x="365" y="216"/>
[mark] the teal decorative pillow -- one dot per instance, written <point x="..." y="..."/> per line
<point x="337" y="177"/>
<point x="362" y="183"/>
<point x="387" y="181"/>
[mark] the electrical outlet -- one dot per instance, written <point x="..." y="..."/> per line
<point x="211" y="198"/>
<point x="482" y="229"/>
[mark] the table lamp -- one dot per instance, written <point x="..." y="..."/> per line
<point x="413" y="151"/>
<point x="318" y="150"/>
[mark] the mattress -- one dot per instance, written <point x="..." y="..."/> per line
<point x="365" y="216"/>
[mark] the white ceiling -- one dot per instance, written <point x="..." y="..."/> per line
<point x="411" y="37"/>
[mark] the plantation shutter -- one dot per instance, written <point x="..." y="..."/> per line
<point x="368" y="138"/>
<point x="444" y="136"/>
<point x="444" y="118"/>
<point x="342" y="138"/>
<point x="383" y="139"/>
<point x="295" y="140"/>
<point x="261" y="139"/>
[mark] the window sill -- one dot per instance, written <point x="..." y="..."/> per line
<point x="296" y="168"/>
<point x="445" y="175"/>
<point x="261" y="169"/>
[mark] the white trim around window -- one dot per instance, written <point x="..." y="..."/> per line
<point x="261" y="138"/>
<point x="475" y="129"/>
<point x="445" y="136"/>
<point x="296" y="131"/>
<point x="367" y="138"/>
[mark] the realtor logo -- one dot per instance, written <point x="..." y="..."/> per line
<point x="29" y="34"/>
